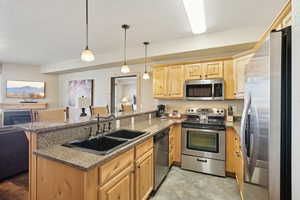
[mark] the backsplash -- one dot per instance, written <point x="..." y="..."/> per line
<point x="181" y="105"/>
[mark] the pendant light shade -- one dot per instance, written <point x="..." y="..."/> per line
<point x="125" y="69"/>
<point x="87" y="55"/>
<point x="146" y="74"/>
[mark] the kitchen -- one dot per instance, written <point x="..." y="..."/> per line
<point x="199" y="126"/>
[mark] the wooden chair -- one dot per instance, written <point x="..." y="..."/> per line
<point x="101" y="110"/>
<point x="57" y="115"/>
<point x="127" y="107"/>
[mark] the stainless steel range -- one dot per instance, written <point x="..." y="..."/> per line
<point x="204" y="141"/>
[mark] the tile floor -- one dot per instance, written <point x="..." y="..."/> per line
<point x="186" y="185"/>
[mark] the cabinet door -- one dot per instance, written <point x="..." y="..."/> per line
<point x="119" y="188"/>
<point x="144" y="176"/>
<point x="171" y="146"/>
<point x="230" y="150"/>
<point x="212" y="70"/>
<point x="193" y="71"/>
<point x="175" y="81"/>
<point x="176" y="129"/>
<point x="229" y="79"/>
<point x="240" y="65"/>
<point x="159" y="81"/>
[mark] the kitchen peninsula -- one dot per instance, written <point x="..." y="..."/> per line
<point x="81" y="175"/>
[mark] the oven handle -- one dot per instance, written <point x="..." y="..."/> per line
<point x="204" y="130"/>
<point x="201" y="160"/>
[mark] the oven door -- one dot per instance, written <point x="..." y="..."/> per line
<point x="204" y="143"/>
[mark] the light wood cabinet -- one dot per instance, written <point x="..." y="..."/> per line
<point x="175" y="144"/>
<point x="160" y="75"/>
<point x="144" y="176"/>
<point x="212" y="70"/>
<point x="168" y="81"/>
<point x="193" y="71"/>
<point x="239" y="70"/>
<point x="229" y="80"/>
<point x="175" y="81"/>
<point x="230" y="151"/>
<point x="119" y="188"/>
<point x="171" y="147"/>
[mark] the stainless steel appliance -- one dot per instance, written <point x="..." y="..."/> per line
<point x="266" y="121"/>
<point x="161" y="156"/>
<point x="204" y="89"/>
<point x="204" y="141"/>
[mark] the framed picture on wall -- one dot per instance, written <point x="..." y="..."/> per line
<point x="79" y="88"/>
<point x="25" y="89"/>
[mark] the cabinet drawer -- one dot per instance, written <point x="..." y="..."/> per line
<point x="112" y="168"/>
<point x="141" y="149"/>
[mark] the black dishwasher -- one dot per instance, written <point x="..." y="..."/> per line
<point x="161" y="156"/>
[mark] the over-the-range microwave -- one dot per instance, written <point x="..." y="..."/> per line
<point x="204" y="89"/>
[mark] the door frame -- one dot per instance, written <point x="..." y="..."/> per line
<point x="112" y="89"/>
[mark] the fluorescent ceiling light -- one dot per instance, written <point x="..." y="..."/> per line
<point x="196" y="14"/>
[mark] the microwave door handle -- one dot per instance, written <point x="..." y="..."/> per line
<point x="213" y="91"/>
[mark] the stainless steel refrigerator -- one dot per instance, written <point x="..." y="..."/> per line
<point x="266" y="121"/>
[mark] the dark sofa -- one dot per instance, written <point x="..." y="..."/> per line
<point x="13" y="152"/>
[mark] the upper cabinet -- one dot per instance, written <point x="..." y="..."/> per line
<point x="168" y="81"/>
<point x="175" y="81"/>
<point x="239" y="72"/>
<point x="160" y="82"/>
<point x="193" y="71"/>
<point x="212" y="70"/>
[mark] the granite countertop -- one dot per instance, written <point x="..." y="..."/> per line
<point x="85" y="161"/>
<point x="40" y="127"/>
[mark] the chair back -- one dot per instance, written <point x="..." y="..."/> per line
<point x="127" y="107"/>
<point x="57" y="115"/>
<point x="100" y="110"/>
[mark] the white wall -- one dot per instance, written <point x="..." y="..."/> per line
<point x="296" y="101"/>
<point x="197" y="42"/>
<point x="102" y="85"/>
<point x="29" y="73"/>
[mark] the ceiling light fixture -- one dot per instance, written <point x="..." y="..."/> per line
<point x="195" y="10"/>
<point x="125" y="69"/>
<point x="87" y="55"/>
<point x="146" y="74"/>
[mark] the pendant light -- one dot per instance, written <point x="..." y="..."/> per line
<point x="146" y="74"/>
<point x="87" y="55"/>
<point x="125" y="69"/>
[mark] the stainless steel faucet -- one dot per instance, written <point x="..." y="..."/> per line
<point x="100" y="120"/>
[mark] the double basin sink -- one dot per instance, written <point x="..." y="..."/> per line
<point x="102" y="145"/>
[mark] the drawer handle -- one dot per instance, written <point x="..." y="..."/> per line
<point x="200" y="160"/>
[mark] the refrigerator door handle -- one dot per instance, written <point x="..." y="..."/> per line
<point x="244" y="123"/>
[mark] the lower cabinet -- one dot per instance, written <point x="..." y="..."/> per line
<point x="144" y="176"/>
<point x="119" y="188"/>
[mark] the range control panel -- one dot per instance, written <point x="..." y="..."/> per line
<point x="206" y="111"/>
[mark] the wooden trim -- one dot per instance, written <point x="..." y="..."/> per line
<point x="276" y="22"/>
<point x="32" y="195"/>
<point x="23" y="106"/>
<point x="192" y="62"/>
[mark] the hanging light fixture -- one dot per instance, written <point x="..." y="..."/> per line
<point x="146" y="74"/>
<point x="125" y="69"/>
<point x="87" y="55"/>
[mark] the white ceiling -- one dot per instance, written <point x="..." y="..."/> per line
<point x="51" y="31"/>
